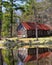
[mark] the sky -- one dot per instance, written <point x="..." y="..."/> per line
<point x="3" y="9"/>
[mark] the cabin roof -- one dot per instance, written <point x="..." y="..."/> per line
<point x="32" y="26"/>
<point x="49" y="26"/>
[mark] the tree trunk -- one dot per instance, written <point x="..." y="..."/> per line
<point x="1" y="57"/>
<point x="0" y="18"/>
<point x="11" y="21"/>
<point x="11" y="18"/>
<point x="12" y="57"/>
<point x="0" y="28"/>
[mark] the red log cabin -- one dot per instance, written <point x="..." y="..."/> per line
<point x="28" y="30"/>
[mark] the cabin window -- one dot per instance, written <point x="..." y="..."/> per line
<point x="29" y="32"/>
<point x="48" y="32"/>
<point x="33" y="32"/>
<point x="39" y="32"/>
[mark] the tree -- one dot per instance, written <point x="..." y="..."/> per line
<point x="0" y="17"/>
<point x="11" y="7"/>
<point x="6" y="24"/>
<point x="1" y="57"/>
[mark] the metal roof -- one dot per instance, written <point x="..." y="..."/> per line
<point x="32" y="26"/>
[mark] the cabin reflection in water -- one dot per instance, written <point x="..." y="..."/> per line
<point x="29" y="54"/>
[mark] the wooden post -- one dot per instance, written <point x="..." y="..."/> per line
<point x="36" y="32"/>
<point x="1" y="57"/>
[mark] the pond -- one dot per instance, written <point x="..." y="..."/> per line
<point x="20" y="63"/>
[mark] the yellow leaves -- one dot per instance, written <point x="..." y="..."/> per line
<point x="40" y="39"/>
<point x="26" y="40"/>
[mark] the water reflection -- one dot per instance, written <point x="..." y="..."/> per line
<point x="20" y="63"/>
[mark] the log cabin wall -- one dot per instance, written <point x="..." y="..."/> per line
<point x="41" y="33"/>
<point x="27" y="30"/>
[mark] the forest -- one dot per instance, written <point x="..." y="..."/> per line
<point x="12" y="12"/>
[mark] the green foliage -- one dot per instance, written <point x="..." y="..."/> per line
<point x="30" y="10"/>
<point x="6" y="24"/>
<point x="10" y="7"/>
<point x="6" y="56"/>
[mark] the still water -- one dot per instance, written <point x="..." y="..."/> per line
<point x="20" y="63"/>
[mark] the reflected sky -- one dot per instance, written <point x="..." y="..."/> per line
<point x="20" y="63"/>
<point x="39" y="0"/>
